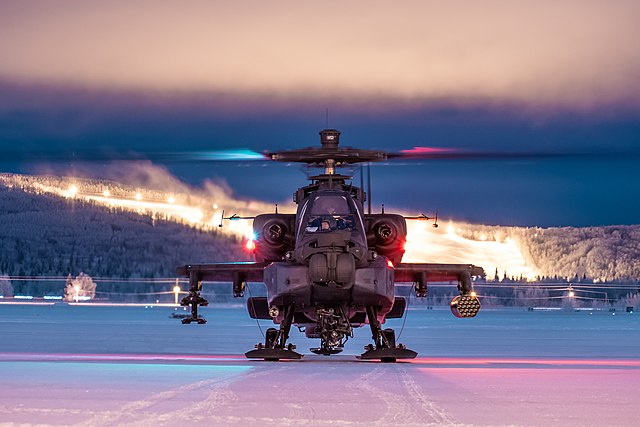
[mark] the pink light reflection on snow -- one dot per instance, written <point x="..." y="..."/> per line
<point x="474" y="361"/>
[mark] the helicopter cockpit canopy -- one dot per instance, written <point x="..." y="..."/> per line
<point x="326" y="212"/>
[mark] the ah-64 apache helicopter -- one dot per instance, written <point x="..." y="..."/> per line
<point x="330" y="267"/>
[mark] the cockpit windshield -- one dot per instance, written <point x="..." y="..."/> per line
<point x="330" y="213"/>
<point x="330" y="223"/>
<point x="330" y="205"/>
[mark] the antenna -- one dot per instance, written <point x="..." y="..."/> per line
<point x="327" y="118"/>
<point x="369" y="188"/>
<point x="366" y="196"/>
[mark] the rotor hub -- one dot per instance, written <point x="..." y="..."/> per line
<point x="330" y="138"/>
<point x="330" y="155"/>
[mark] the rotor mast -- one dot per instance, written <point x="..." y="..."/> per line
<point x="330" y="139"/>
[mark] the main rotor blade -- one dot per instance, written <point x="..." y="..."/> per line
<point x="226" y="155"/>
<point x="239" y="154"/>
<point x="310" y="155"/>
<point x="435" y="153"/>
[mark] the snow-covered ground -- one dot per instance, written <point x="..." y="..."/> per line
<point x="63" y="365"/>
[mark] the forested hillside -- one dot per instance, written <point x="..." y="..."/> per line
<point x="47" y="235"/>
<point x="602" y="253"/>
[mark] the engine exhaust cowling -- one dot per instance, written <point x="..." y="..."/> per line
<point x="464" y="306"/>
<point x="274" y="234"/>
<point x="387" y="235"/>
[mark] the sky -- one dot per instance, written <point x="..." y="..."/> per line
<point x="534" y="76"/>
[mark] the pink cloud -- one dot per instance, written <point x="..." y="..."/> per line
<point x="573" y="54"/>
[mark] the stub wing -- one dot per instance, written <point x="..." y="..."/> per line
<point x="466" y="304"/>
<point x="224" y="272"/>
<point x="423" y="273"/>
<point x="407" y="272"/>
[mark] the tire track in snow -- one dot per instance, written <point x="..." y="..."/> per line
<point x="400" y="405"/>
<point x="415" y="393"/>
<point x="134" y="413"/>
<point x="289" y="395"/>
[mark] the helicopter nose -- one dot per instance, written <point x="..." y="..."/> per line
<point x="331" y="267"/>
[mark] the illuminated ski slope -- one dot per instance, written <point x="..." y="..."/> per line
<point x="446" y="244"/>
<point x="204" y="209"/>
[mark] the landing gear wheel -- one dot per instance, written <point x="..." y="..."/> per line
<point x="199" y="321"/>
<point x="275" y="345"/>
<point x="271" y="338"/>
<point x="390" y="337"/>
<point x="194" y="299"/>
<point x="385" y="348"/>
<point x="387" y="355"/>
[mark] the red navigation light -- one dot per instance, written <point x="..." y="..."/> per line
<point x="389" y="263"/>
<point x="250" y="245"/>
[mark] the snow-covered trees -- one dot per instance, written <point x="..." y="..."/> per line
<point x="46" y="235"/>
<point x="633" y="300"/>
<point x="6" y="288"/>
<point x="610" y="253"/>
<point x="82" y="287"/>
<point x="603" y="253"/>
<point x="531" y="297"/>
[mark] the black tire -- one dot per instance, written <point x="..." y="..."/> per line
<point x="270" y="338"/>
<point x="390" y="335"/>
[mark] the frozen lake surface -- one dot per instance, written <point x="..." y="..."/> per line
<point x="66" y="365"/>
